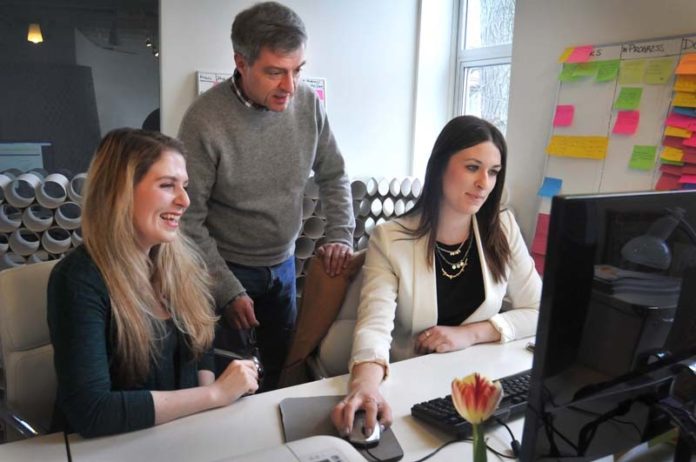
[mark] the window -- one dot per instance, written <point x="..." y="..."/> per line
<point x="483" y="59"/>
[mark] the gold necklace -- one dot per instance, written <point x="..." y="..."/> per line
<point x="458" y="266"/>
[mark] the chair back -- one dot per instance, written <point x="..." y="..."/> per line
<point x="27" y="353"/>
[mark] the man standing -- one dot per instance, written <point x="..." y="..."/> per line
<point x="252" y="142"/>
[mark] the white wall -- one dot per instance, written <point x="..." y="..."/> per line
<point x="126" y="85"/>
<point x="543" y="29"/>
<point x="366" y="49"/>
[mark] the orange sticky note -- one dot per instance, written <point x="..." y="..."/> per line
<point x="678" y="132"/>
<point x="626" y="122"/>
<point x="565" y="54"/>
<point x="580" y="54"/>
<point x="564" y="115"/>
<point x="687" y="65"/>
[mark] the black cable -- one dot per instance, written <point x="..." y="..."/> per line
<point x="514" y="444"/>
<point x="67" y="446"/>
<point x="438" y="450"/>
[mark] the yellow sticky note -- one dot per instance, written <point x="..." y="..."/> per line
<point x="685" y="83"/>
<point x="673" y="154"/>
<point x="586" y="147"/>
<point x="684" y="99"/>
<point x="658" y="71"/>
<point x="631" y="71"/>
<point x="565" y="55"/>
<point x="678" y="132"/>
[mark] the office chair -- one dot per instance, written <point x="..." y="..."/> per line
<point x="27" y="354"/>
<point x="326" y="318"/>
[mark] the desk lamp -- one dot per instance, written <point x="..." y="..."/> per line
<point x="650" y="249"/>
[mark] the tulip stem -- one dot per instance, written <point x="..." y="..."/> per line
<point x="480" y="454"/>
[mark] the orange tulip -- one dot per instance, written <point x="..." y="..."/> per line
<point x="475" y="397"/>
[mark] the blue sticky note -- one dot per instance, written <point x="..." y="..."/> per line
<point x="687" y="111"/>
<point x="688" y="186"/>
<point x="551" y="187"/>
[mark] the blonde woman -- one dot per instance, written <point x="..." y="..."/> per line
<point x="129" y="312"/>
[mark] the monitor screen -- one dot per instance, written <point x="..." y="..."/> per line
<point x="618" y="311"/>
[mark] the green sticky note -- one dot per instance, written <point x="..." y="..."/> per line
<point x="631" y="71"/>
<point x="671" y="162"/>
<point x="568" y="73"/>
<point x="643" y="157"/>
<point x="583" y="70"/>
<point x="658" y="71"/>
<point x="629" y="98"/>
<point x="607" y="70"/>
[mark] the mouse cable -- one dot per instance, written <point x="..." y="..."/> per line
<point x="514" y="444"/>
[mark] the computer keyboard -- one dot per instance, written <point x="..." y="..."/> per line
<point x="440" y="412"/>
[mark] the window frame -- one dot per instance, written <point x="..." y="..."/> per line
<point x="475" y="57"/>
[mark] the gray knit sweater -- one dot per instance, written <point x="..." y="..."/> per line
<point x="247" y="172"/>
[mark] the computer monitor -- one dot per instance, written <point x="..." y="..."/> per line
<point x="617" y="314"/>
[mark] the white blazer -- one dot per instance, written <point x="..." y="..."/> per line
<point x="398" y="299"/>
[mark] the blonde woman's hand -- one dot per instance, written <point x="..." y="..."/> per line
<point x="238" y="379"/>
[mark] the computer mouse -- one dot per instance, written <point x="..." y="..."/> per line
<point x="357" y="435"/>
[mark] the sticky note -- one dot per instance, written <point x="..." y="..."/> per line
<point x="672" y="162"/>
<point x="629" y="98"/>
<point x="643" y="157"/>
<point x="583" y="70"/>
<point x="685" y="83"/>
<point x="564" y="115"/>
<point x="671" y="169"/>
<point x="586" y="147"/>
<point x="675" y="119"/>
<point x="678" y="132"/>
<point x="687" y="65"/>
<point x="691" y="179"/>
<point x="673" y="141"/>
<point x="607" y="70"/>
<point x="658" y="71"/>
<point x="541" y="234"/>
<point x="580" y="54"/>
<point x="691" y="142"/>
<point x="631" y="71"/>
<point x="689" y="157"/>
<point x="564" y="56"/>
<point x="684" y="99"/>
<point x="673" y="154"/>
<point x="626" y="122"/>
<point x="667" y="183"/>
<point x="550" y="187"/>
<point x="568" y="73"/>
<point x="687" y="111"/>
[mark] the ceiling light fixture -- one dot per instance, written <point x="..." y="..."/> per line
<point x="34" y="33"/>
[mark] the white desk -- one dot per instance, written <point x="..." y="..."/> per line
<point x="253" y="423"/>
<point x="49" y="448"/>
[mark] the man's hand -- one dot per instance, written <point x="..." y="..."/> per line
<point x="336" y="257"/>
<point x="239" y="313"/>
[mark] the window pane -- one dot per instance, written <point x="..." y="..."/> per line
<point x="488" y="23"/>
<point x="486" y="91"/>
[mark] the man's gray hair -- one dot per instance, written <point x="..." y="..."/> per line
<point x="267" y="24"/>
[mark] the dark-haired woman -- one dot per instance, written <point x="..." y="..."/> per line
<point x="434" y="279"/>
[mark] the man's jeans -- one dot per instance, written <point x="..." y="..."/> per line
<point x="272" y="288"/>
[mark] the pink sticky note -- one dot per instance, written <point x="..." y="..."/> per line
<point x="539" y="263"/>
<point x="667" y="183"/>
<point x="626" y="122"/>
<point x="564" y="115"/>
<point x="680" y="121"/>
<point x="690" y="179"/>
<point x="541" y="234"/>
<point x="690" y="141"/>
<point x="580" y="54"/>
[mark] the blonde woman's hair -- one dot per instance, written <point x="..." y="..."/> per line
<point x="173" y="275"/>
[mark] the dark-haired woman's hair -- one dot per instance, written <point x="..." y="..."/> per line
<point x="461" y="133"/>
